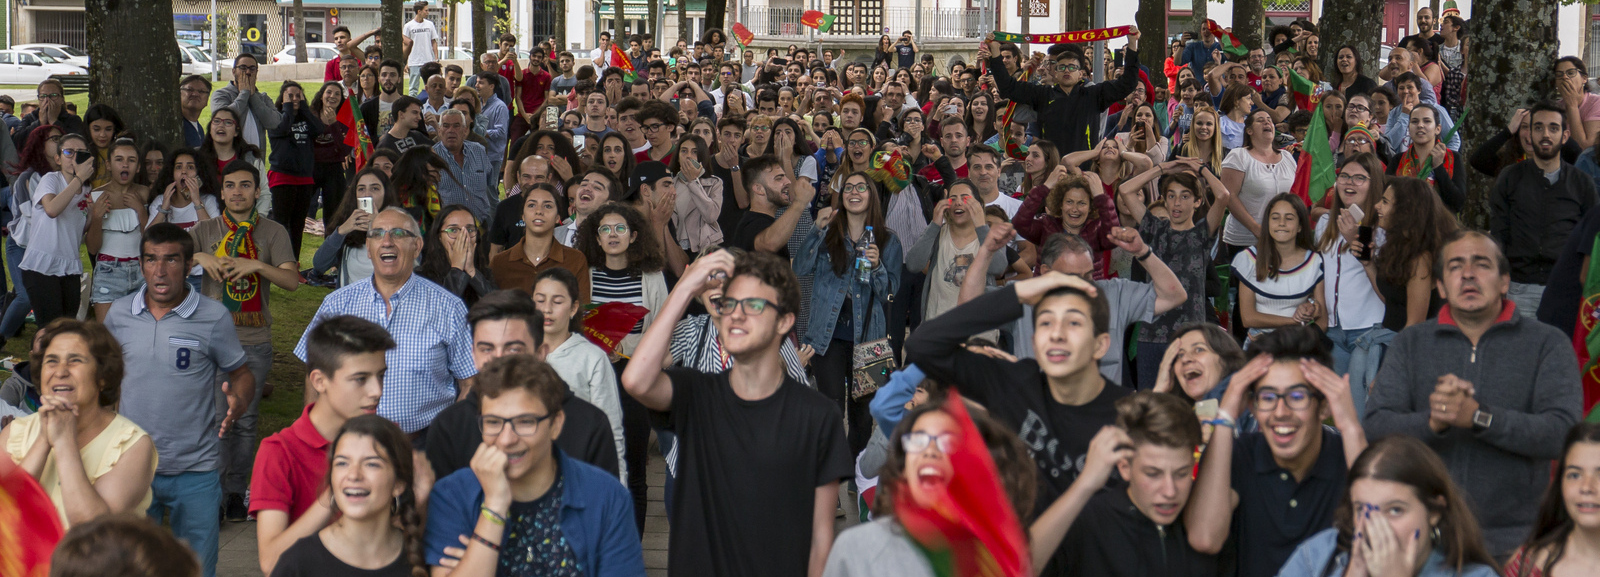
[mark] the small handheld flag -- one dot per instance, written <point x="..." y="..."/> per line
<point x="1230" y="45"/>
<point x="817" y="20"/>
<point x="621" y="60"/>
<point x="742" y="34"/>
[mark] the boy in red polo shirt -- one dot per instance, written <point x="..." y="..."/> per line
<point x="288" y="499"/>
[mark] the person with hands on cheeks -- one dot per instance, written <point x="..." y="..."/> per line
<point x="116" y="220"/>
<point x="89" y="459"/>
<point x="454" y="258"/>
<point x="244" y="97"/>
<point x="1498" y="430"/>
<point x="1114" y="532"/>
<point x="525" y="507"/>
<point x="188" y="187"/>
<point x="1067" y="110"/>
<point x="1278" y="486"/>
<point x="1400" y="515"/>
<point x="1072" y="201"/>
<point x="772" y="450"/>
<point x="287" y="495"/>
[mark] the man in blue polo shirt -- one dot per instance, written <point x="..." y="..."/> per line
<point x="1277" y="487"/>
<point x="174" y="342"/>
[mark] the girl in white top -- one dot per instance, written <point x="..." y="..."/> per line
<point x="116" y="223"/>
<point x="1355" y="310"/>
<point x="188" y="194"/>
<point x="51" y="271"/>
<point x="584" y="366"/>
<point x="1254" y="173"/>
<point x="1280" y="279"/>
<point x="346" y="246"/>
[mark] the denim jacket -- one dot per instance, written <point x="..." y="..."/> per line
<point x="1311" y="558"/>
<point x="828" y="291"/>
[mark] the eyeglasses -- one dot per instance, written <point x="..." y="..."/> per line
<point x="1353" y="178"/>
<point x="1569" y="73"/>
<point x="918" y="441"/>
<point x="1357" y="108"/>
<point x="454" y="230"/>
<point x="1068" y="68"/>
<point x="652" y="127"/>
<point x="224" y="122"/>
<point x="522" y="425"/>
<point x="394" y="233"/>
<point x="863" y="187"/>
<point x="752" y="306"/>
<point x="860" y="142"/>
<point x="761" y="128"/>
<point x="608" y="229"/>
<point x="1358" y="141"/>
<point x="1298" y="396"/>
<point x="44" y="95"/>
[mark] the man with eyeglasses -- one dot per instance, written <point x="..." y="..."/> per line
<point x="749" y="67"/>
<point x="1067" y="111"/>
<point x="657" y="120"/>
<point x="1279" y="482"/>
<point x="1492" y="392"/>
<point x="760" y="455"/>
<point x="257" y="114"/>
<point x="525" y="507"/>
<point x="432" y="364"/>
<point x="244" y="255"/>
<point x="52" y="110"/>
<point x="192" y="92"/>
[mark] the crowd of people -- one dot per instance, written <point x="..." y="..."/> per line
<point x="989" y="316"/>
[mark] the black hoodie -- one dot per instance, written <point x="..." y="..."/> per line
<point x="1112" y="538"/>
<point x="454" y="437"/>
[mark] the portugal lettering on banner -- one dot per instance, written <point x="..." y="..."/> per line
<point x="1065" y="37"/>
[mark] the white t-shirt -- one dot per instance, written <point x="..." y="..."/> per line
<point x="119" y="230"/>
<point x="422" y="34"/>
<point x="1262" y="181"/>
<point x="1006" y="203"/>
<point x="53" y="242"/>
<point x="1353" y="302"/>
<point x="186" y="217"/>
<point x="1280" y="295"/>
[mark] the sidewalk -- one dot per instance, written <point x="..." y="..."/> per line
<point x="238" y="556"/>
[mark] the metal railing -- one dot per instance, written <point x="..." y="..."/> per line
<point x="856" y="20"/>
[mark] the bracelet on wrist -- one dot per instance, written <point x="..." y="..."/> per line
<point x="486" y="543"/>
<point x="496" y="518"/>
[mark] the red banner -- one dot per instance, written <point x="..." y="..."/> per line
<point x="1065" y="37"/>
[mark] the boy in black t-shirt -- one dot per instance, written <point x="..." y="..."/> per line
<point x="759" y="455"/>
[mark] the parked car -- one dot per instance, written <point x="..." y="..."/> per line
<point x="25" y="67"/>
<point x="315" y="52"/>
<point x="194" y="60"/>
<point x="66" y="54"/>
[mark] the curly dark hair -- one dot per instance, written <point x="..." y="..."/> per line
<point x="205" y="167"/>
<point x="103" y="347"/>
<point x="774" y="271"/>
<point x="644" y="253"/>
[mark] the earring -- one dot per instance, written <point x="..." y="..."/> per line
<point x="394" y="509"/>
<point x="1434" y="534"/>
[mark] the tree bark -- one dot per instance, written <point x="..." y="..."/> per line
<point x="480" y="30"/>
<point x="1349" y="22"/>
<point x="1078" y="15"/>
<point x="618" y="31"/>
<point x="299" y="32"/>
<point x="1248" y="18"/>
<point x="561" y="25"/>
<point x="1152" y="22"/>
<point x="1508" y="58"/>
<point x="134" y="64"/>
<point x="654" y="16"/>
<point x="716" y="14"/>
<point x="683" y="21"/>
<point x="1201" y="14"/>
<point x="394" y="17"/>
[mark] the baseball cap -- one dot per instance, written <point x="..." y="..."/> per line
<point x="648" y="172"/>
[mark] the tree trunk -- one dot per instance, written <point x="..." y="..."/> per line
<point x="449" y="29"/>
<point x="1152" y="22"/>
<point x="1350" y="22"/>
<point x="561" y="25"/>
<point x="717" y="13"/>
<point x="1248" y="18"/>
<point x="1078" y="15"/>
<point x="299" y="32"/>
<point x="480" y="30"/>
<point x="1508" y="56"/>
<point x="394" y="18"/>
<point x="134" y="64"/>
<point x="683" y="21"/>
<point x="1200" y="16"/>
<point x="618" y="31"/>
<point x="654" y="19"/>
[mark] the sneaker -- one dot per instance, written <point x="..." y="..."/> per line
<point x="235" y="510"/>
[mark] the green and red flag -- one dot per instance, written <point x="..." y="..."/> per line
<point x="1230" y="44"/>
<point x="968" y="528"/>
<point x="621" y="60"/>
<point x="30" y="526"/>
<point x="1314" y="175"/>
<point x="815" y="19"/>
<point x="355" y="135"/>
<point x="742" y="35"/>
<point x="1586" y="340"/>
<point x="1303" y="90"/>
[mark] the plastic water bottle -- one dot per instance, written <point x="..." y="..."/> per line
<point x="863" y="264"/>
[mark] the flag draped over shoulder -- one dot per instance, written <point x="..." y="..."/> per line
<point x="1230" y="45"/>
<point x="970" y="530"/>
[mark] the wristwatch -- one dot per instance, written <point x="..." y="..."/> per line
<point x="1481" y="419"/>
<point x="734" y="168"/>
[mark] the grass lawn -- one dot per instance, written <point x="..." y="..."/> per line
<point x="291" y="311"/>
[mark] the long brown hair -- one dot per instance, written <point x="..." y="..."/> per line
<point x="838" y="244"/>
<point x="1375" y="184"/>
<point x="1426" y="223"/>
<point x="394" y="446"/>
<point x="1404" y="459"/>
<point x="347" y="204"/>
<point x="1052" y="158"/>
<point x="1268" y="261"/>
<point x="1554" y="524"/>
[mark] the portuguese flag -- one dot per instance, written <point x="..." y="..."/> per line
<point x="743" y="35"/>
<point x="355" y="136"/>
<point x="817" y="20"/>
<point x="970" y="529"/>
<point x="1230" y="45"/>
<point x="620" y="59"/>
<point x="1302" y="89"/>
<point x="1314" y="175"/>
<point x="1586" y="340"/>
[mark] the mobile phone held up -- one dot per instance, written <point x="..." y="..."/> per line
<point x="366" y="203"/>
<point x="551" y="115"/>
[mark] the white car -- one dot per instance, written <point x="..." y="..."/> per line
<point x="315" y="52"/>
<point x="25" y="67"/>
<point x="194" y="60"/>
<point x="66" y="54"/>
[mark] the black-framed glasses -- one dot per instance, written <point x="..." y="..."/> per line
<point x="454" y="229"/>
<point x="1298" y="397"/>
<point x="860" y="142"/>
<point x="1353" y="178"/>
<point x="652" y="127"/>
<point x="752" y="306"/>
<point x="523" y="425"/>
<point x="1357" y="107"/>
<point x="1068" y="68"/>
<point x="1569" y="73"/>
<point x="863" y="187"/>
<point x="918" y="441"/>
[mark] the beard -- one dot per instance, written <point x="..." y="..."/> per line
<point x="775" y="197"/>
<point x="388" y="89"/>
<point x="1542" y="152"/>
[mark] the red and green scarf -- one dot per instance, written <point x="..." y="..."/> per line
<point x="246" y="296"/>
<point x="1410" y="165"/>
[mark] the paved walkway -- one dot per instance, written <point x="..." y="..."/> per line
<point x="238" y="556"/>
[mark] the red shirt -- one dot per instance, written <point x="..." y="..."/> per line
<point x="291" y="467"/>
<point x="332" y="73"/>
<point x="533" y="86"/>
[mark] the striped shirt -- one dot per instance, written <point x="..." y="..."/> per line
<point x="616" y="286"/>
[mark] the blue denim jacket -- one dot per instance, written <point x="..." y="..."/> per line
<point x="1311" y="558"/>
<point x="829" y="290"/>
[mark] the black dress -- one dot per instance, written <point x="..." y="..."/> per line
<point x="1394" y="304"/>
